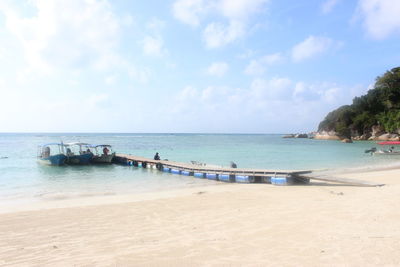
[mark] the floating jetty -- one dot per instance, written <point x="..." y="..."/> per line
<point x="238" y="175"/>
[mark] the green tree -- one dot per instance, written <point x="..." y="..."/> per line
<point x="381" y="105"/>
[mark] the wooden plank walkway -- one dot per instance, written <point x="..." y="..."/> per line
<point x="215" y="169"/>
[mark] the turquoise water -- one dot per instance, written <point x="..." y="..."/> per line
<point x="22" y="178"/>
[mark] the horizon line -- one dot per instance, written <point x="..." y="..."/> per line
<point x="148" y="132"/>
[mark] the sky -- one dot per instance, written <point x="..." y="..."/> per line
<point x="189" y="66"/>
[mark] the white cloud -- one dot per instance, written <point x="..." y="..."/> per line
<point x="217" y="34"/>
<point x="312" y="92"/>
<point x="328" y="6"/>
<point x="272" y="58"/>
<point x="142" y="75"/>
<point x="254" y="68"/>
<point x="266" y="105"/>
<point x="275" y="88"/>
<point x="56" y="112"/>
<point x="236" y="14"/>
<point x="258" y="66"/>
<point x="218" y="68"/>
<point x="380" y="17"/>
<point x="110" y="80"/>
<point x="247" y="54"/>
<point x="156" y="25"/>
<point x="64" y="34"/>
<point x="68" y="37"/>
<point x="187" y="93"/>
<point x="153" y="45"/>
<point x="192" y="11"/>
<point x="310" y="47"/>
<point x="189" y="11"/>
<point x="240" y="8"/>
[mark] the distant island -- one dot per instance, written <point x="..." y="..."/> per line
<point x="374" y="116"/>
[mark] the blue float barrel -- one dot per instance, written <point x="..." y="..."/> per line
<point x="244" y="179"/>
<point x="198" y="175"/>
<point x="166" y="169"/>
<point x="187" y="173"/>
<point x="175" y="171"/>
<point x="224" y="177"/>
<point x="281" y="180"/>
<point x="211" y="176"/>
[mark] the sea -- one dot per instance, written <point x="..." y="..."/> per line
<point x="23" y="179"/>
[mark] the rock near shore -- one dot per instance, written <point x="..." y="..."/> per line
<point x="347" y="140"/>
<point x="385" y="137"/>
<point x="303" y="135"/>
<point x="376" y="134"/>
<point x="325" y="135"/>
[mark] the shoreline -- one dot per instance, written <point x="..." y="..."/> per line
<point x="320" y="224"/>
<point x="85" y="199"/>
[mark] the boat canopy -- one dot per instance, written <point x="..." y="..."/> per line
<point x="51" y="144"/>
<point x="100" y="145"/>
<point x="388" y="143"/>
<point x="76" y="144"/>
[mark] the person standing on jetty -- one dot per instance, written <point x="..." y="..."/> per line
<point x="157" y="156"/>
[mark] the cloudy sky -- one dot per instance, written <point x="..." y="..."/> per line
<point x="217" y="66"/>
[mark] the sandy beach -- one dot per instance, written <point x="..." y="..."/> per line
<point x="224" y="225"/>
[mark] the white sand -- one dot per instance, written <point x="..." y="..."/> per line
<point x="228" y="224"/>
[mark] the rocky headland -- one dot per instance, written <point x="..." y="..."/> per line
<point x="374" y="116"/>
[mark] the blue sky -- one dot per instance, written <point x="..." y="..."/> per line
<point x="222" y="66"/>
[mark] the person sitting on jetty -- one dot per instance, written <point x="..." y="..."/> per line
<point x="105" y="151"/>
<point x="157" y="156"/>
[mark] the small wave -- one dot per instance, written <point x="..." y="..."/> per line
<point x="63" y="196"/>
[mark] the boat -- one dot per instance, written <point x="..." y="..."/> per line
<point x="101" y="153"/>
<point x="388" y="148"/>
<point x="51" y="154"/>
<point x="78" y="153"/>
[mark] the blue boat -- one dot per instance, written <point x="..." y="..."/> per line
<point x="77" y="154"/>
<point x="51" y="154"/>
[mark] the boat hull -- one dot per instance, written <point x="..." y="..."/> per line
<point x="102" y="159"/>
<point x="79" y="159"/>
<point x="56" y="160"/>
<point x="385" y="153"/>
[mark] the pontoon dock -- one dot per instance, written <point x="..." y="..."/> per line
<point x="240" y="175"/>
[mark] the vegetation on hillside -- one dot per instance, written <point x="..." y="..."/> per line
<point x="379" y="107"/>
